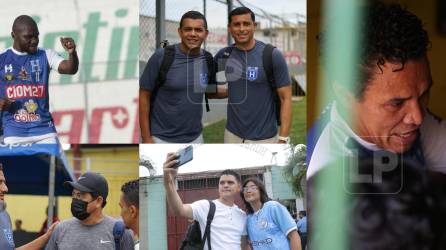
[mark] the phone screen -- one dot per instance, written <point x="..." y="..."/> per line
<point x="186" y="155"/>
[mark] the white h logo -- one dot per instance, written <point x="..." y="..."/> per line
<point x="8" y="68"/>
<point x="34" y="65"/>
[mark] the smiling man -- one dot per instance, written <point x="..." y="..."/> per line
<point x="173" y="84"/>
<point x="388" y="105"/>
<point x="24" y="75"/>
<point x="258" y="85"/>
<point x="228" y="227"/>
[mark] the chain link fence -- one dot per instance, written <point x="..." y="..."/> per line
<point x="287" y="32"/>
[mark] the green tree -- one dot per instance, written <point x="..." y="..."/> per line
<point x="295" y="170"/>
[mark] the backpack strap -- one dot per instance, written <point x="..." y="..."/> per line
<point x="118" y="232"/>
<point x="267" y="58"/>
<point x="168" y="58"/>
<point x="211" y="75"/>
<point x="207" y="231"/>
<point x="226" y="54"/>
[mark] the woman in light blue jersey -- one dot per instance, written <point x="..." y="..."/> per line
<point x="269" y="224"/>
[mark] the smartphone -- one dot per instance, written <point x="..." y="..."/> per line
<point x="186" y="155"/>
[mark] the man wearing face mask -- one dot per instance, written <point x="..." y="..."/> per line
<point x="90" y="228"/>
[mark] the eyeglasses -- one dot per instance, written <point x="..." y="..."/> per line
<point x="251" y="188"/>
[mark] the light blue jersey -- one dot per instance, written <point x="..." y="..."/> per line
<point x="302" y="225"/>
<point x="269" y="227"/>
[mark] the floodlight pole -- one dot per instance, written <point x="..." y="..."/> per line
<point x="51" y="184"/>
<point x="160" y="23"/>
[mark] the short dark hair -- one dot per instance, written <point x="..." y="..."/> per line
<point x="194" y="15"/>
<point x="131" y="192"/>
<point x="388" y="33"/>
<point x="303" y="213"/>
<point x="241" y="11"/>
<point x="23" y="20"/>
<point x="231" y="172"/>
<point x="263" y="195"/>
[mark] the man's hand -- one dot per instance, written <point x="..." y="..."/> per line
<point x="168" y="167"/>
<point x="51" y="229"/>
<point x="71" y="65"/>
<point x="173" y="199"/>
<point x="68" y="44"/>
<point x="40" y="242"/>
<point x="5" y="104"/>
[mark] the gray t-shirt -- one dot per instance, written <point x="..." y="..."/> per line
<point x="251" y="106"/>
<point x="176" y="112"/>
<point x="72" y="234"/>
<point x="6" y="239"/>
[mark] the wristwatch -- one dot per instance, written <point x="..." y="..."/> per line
<point x="286" y="139"/>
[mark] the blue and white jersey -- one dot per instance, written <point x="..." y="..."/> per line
<point x="6" y="235"/>
<point x="269" y="227"/>
<point x="24" y="80"/>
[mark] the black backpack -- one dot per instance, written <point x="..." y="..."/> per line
<point x="267" y="58"/>
<point x="118" y="232"/>
<point x="169" y="57"/>
<point x="193" y="239"/>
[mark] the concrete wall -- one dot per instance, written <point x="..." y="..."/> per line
<point x="153" y="230"/>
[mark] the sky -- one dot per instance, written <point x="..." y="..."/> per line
<point x="216" y="156"/>
<point x="217" y="12"/>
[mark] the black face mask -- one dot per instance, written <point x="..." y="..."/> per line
<point x="79" y="209"/>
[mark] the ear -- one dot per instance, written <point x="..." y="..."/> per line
<point x="12" y="34"/>
<point x="134" y="211"/>
<point x="100" y="201"/>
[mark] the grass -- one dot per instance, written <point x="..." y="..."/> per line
<point x="214" y="133"/>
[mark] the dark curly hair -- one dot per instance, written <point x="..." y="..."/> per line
<point x="405" y="210"/>
<point x="393" y="214"/>
<point x="388" y="33"/>
<point x="131" y="192"/>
